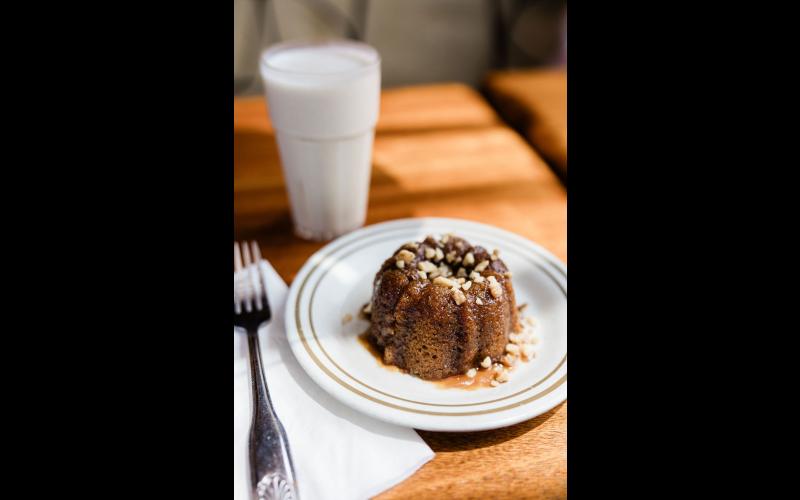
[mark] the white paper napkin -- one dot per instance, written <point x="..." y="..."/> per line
<point x="338" y="453"/>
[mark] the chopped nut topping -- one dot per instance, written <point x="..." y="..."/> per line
<point x="446" y="238"/>
<point x="487" y="362"/>
<point x="459" y="296"/>
<point x="451" y="256"/>
<point x="426" y="266"/>
<point x="509" y="360"/>
<point x="512" y="349"/>
<point x="474" y="275"/>
<point x="461" y="281"/>
<point x="460" y="244"/>
<point x="422" y="275"/>
<point x="429" y="252"/>
<point x="443" y="282"/>
<point x="483" y="265"/>
<point x="462" y="273"/>
<point x="499" y="368"/>
<point x="444" y="270"/>
<point x="367" y="308"/>
<point x="515" y="338"/>
<point x="479" y="279"/>
<point x="502" y="377"/>
<point x="496" y="289"/>
<point x="472" y="372"/>
<point x="433" y="274"/>
<point x="467" y="285"/>
<point x="509" y="275"/>
<point x="439" y="255"/>
<point x="412" y="244"/>
<point x="400" y="264"/>
<point x="495" y="254"/>
<point x="479" y="301"/>
<point x="457" y="261"/>
<point x="469" y="259"/>
<point x="492" y="279"/>
<point x="494" y="383"/>
<point x="405" y="255"/>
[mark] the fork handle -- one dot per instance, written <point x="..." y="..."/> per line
<point x="271" y="469"/>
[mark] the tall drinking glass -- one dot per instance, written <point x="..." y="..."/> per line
<point x="323" y="100"/>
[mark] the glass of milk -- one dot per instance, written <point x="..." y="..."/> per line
<point x="323" y="100"/>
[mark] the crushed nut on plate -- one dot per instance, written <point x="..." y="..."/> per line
<point x="528" y="351"/>
<point x="472" y="372"/>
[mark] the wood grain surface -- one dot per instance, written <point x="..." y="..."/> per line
<point x="535" y="102"/>
<point x="440" y="150"/>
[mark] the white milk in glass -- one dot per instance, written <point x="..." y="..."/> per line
<point x="323" y="101"/>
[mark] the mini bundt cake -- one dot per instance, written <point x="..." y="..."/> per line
<point x="440" y="307"/>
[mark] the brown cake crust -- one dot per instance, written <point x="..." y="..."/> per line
<point x="421" y="327"/>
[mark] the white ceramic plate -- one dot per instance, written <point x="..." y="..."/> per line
<point x="337" y="281"/>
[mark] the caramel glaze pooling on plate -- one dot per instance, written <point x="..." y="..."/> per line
<point x="422" y="328"/>
<point x="483" y="378"/>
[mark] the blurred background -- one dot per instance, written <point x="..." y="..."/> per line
<point x="420" y="41"/>
<point x="473" y="115"/>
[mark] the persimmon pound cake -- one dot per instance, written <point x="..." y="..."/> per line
<point x="442" y="307"/>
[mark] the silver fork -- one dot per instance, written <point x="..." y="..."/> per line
<point x="271" y="469"/>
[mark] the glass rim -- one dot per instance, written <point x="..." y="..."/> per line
<point x="280" y="47"/>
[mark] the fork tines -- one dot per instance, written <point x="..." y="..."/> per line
<point x="249" y="287"/>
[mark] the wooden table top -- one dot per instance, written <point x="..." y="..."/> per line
<point x="440" y="150"/>
<point x="535" y="102"/>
